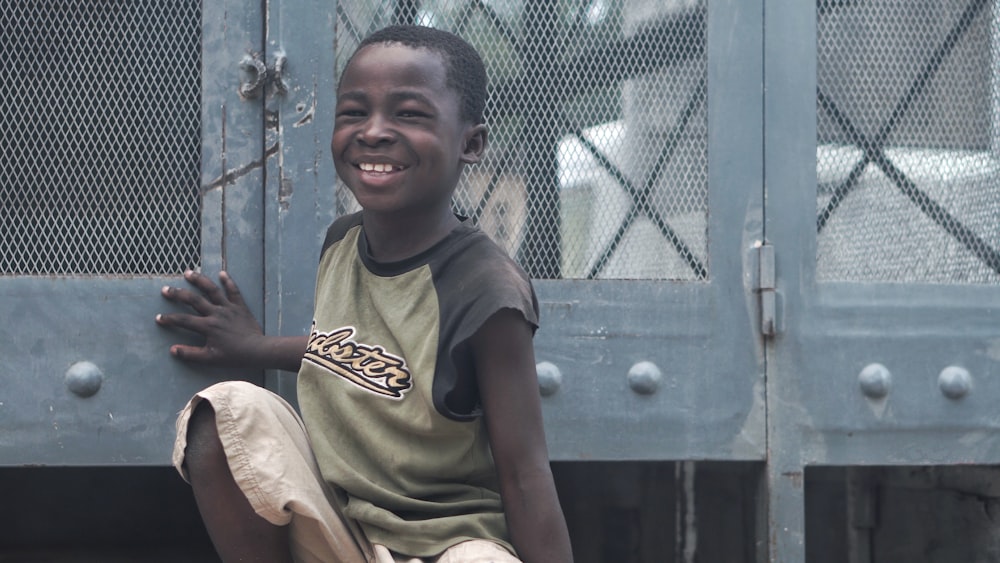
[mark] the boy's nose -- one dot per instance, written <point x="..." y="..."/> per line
<point x="376" y="131"/>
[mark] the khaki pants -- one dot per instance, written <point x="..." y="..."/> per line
<point x="270" y="458"/>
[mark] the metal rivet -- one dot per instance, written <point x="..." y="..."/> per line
<point x="549" y="378"/>
<point x="875" y="381"/>
<point x="84" y="378"/>
<point x="644" y="378"/>
<point x="955" y="382"/>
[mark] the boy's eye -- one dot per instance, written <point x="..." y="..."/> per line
<point x="412" y="113"/>
<point x="350" y="112"/>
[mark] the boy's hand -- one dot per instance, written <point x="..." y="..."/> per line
<point x="233" y="337"/>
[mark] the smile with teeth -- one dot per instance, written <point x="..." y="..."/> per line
<point x="378" y="167"/>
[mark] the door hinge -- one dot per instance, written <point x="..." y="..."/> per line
<point x="766" y="289"/>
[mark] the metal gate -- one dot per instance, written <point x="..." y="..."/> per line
<point x="761" y="231"/>
<point x="120" y="134"/>
<point x="880" y="159"/>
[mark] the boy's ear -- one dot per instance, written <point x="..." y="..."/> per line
<point x="475" y="144"/>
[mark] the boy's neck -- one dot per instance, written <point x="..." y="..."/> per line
<point x="391" y="239"/>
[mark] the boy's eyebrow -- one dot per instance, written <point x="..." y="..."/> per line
<point x="351" y="96"/>
<point x="395" y="96"/>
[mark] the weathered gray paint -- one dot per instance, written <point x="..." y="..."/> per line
<point x="300" y="178"/>
<point x="51" y="323"/>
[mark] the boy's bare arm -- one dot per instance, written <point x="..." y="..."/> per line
<point x="233" y="337"/>
<point x="505" y="367"/>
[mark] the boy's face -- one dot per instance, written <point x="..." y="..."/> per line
<point x="398" y="141"/>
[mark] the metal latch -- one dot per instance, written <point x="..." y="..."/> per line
<point x="262" y="75"/>
<point x="766" y="288"/>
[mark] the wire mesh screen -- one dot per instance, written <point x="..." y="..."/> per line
<point x="907" y="159"/>
<point x="100" y="125"/>
<point x="597" y="165"/>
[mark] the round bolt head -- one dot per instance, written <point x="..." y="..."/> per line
<point x="549" y="378"/>
<point x="644" y="378"/>
<point x="955" y="382"/>
<point x="875" y="381"/>
<point x="84" y="378"/>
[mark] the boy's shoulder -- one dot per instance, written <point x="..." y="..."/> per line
<point x="484" y="275"/>
<point x="482" y="255"/>
<point x="340" y="227"/>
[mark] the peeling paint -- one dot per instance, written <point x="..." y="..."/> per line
<point x="307" y="118"/>
<point x="285" y="190"/>
<point x="751" y="439"/>
<point x="795" y="477"/>
<point x="231" y="176"/>
<point x="272" y="120"/>
<point x="309" y="111"/>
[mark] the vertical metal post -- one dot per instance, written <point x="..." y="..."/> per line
<point x="686" y="544"/>
<point x="789" y="167"/>
<point x="861" y="513"/>
<point x="542" y="253"/>
<point x="299" y="177"/>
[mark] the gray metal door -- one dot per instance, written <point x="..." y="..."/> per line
<point x="884" y="213"/>
<point x="623" y="175"/>
<point x="128" y="157"/>
<point x="653" y="325"/>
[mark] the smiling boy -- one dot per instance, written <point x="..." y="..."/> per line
<point x="421" y="433"/>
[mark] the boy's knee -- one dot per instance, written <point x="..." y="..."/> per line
<point x="231" y="387"/>
<point x="202" y="416"/>
<point x="203" y="444"/>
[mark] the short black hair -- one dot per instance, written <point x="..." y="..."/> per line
<point x="465" y="72"/>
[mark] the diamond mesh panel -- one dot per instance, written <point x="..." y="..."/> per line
<point x="597" y="166"/>
<point x="100" y="128"/>
<point x="907" y="156"/>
